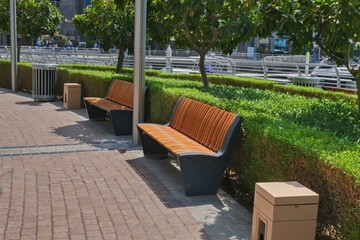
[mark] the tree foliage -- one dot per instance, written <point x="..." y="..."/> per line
<point x="4" y="16"/>
<point x="111" y="25"/>
<point x="159" y="22"/>
<point x="34" y="18"/>
<point x="334" y="25"/>
<point x="206" y="24"/>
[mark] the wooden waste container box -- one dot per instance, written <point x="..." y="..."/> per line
<point x="284" y="211"/>
<point x="72" y="95"/>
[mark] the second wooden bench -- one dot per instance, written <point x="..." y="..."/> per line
<point x="200" y="136"/>
<point x="117" y="105"/>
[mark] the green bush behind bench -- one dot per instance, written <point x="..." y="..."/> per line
<point x="286" y="136"/>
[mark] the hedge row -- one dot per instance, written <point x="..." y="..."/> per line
<point x="285" y="136"/>
<point x="233" y="81"/>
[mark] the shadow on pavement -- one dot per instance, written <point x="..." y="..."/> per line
<point x="30" y="103"/>
<point x="93" y="132"/>
<point x="220" y="216"/>
<point x="165" y="180"/>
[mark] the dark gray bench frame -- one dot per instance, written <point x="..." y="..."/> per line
<point x="121" y="119"/>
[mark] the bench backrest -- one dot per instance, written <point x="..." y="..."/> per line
<point x="203" y="123"/>
<point x="121" y="92"/>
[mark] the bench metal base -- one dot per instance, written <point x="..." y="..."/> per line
<point x="121" y="119"/>
<point x="202" y="175"/>
<point x="95" y="113"/>
<point x="122" y="122"/>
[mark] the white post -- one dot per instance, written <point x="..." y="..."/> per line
<point x="139" y="66"/>
<point x="13" y="32"/>
<point x="307" y="60"/>
<point x="168" y="59"/>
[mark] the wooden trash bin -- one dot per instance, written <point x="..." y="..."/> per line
<point x="283" y="211"/>
<point x="72" y="96"/>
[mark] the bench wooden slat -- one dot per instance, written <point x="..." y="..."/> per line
<point x="200" y="121"/>
<point x="106" y="104"/>
<point x="166" y="135"/>
<point x="121" y="92"/>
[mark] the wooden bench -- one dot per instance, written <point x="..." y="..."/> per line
<point x="117" y="105"/>
<point x="200" y="136"/>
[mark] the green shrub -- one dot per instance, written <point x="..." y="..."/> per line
<point x="259" y="84"/>
<point x="24" y="75"/>
<point x="88" y="67"/>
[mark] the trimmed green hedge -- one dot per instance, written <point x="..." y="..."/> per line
<point x="109" y="71"/>
<point x="286" y="136"/>
<point x="24" y="75"/>
<point x="259" y="84"/>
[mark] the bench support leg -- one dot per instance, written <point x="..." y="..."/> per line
<point x="202" y="175"/>
<point x="122" y="122"/>
<point x="151" y="148"/>
<point x="95" y="113"/>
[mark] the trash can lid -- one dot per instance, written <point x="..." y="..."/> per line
<point x="44" y="66"/>
<point x="72" y="85"/>
<point x="286" y="193"/>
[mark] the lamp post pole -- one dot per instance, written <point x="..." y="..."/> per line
<point x="139" y="66"/>
<point x="14" y="72"/>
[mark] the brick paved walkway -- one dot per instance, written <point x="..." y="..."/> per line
<point x="63" y="177"/>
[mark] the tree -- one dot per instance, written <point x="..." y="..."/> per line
<point x="203" y="25"/>
<point x="34" y="18"/>
<point x="334" y="25"/>
<point x="110" y="24"/>
<point x="158" y="30"/>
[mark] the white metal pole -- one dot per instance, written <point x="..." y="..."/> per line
<point x="13" y="33"/>
<point x="168" y="53"/>
<point x="307" y="60"/>
<point x="139" y="66"/>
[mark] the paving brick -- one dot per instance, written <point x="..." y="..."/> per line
<point x="64" y="234"/>
<point x="60" y="229"/>
<point x="78" y="237"/>
<point x="28" y="237"/>
<point x="110" y="236"/>
<point x="12" y="236"/>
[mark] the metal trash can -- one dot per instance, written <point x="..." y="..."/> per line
<point x="44" y="77"/>
<point x="306" y="81"/>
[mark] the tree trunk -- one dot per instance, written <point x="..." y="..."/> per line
<point x="18" y="49"/>
<point x="203" y="70"/>
<point x="120" y="63"/>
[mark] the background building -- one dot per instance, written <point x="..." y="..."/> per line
<point x="273" y="44"/>
<point x="69" y="8"/>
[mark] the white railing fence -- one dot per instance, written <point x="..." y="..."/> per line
<point x="183" y="61"/>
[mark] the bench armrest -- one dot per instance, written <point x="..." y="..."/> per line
<point x="200" y="155"/>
